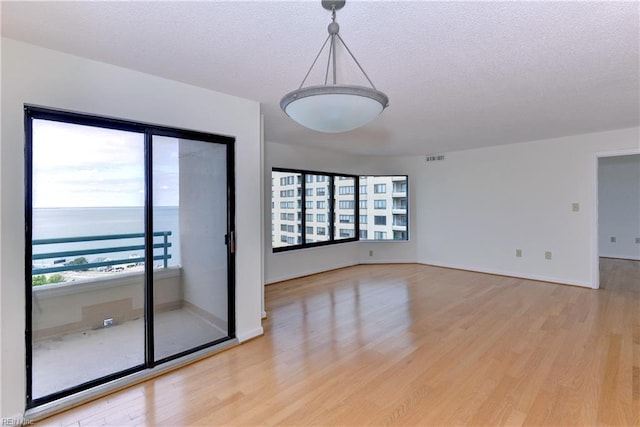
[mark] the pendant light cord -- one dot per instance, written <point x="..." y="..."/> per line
<point x="333" y="33"/>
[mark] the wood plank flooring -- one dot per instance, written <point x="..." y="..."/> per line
<point x="411" y="345"/>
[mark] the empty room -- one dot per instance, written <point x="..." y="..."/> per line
<point x="413" y="213"/>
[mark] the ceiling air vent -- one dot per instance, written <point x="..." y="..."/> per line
<point x="434" y="158"/>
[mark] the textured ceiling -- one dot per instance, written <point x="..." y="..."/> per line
<point x="458" y="75"/>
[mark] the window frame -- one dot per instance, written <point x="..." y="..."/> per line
<point x="332" y="211"/>
<point x="333" y="185"/>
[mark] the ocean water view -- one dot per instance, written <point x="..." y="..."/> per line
<point x="79" y="222"/>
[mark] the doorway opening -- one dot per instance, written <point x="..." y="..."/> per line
<point x="618" y="213"/>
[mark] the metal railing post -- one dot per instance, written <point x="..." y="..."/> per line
<point x="166" y="250"/>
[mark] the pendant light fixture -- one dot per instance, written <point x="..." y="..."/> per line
<point x="334" y="107"/>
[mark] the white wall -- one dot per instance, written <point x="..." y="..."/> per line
<point x="44" y="77"/>
<point x="619" y="206"/>
<point x="477" y="206"/>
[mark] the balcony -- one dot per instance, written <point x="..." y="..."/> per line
<point x="88" y="316"/>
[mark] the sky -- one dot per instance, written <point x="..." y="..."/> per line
<point x="84" y="166"/>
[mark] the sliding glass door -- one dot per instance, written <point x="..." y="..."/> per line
<point x="190" y="185"/>
<point x="129" y="248"/>
<point x="86" y="311"/>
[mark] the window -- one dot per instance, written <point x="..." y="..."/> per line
<point x="391" y="224"/>
<point x="400" y="220"/>
<point x="287" y="205"/>
<point x="345" y="225"/>
<point x="287" y="180"/>
<point x="339" y="206"/>
<point x="399" y="204"/>
<point x="323" y="206"/>
<point x="287" y="184"/>
<point x="399" y="235"/>
<point x="400" y="187"/>
<point x="346" y="232"/>
<point x="380" y="204"/>
<point x="322" y="186"/>
<point x="344" y="189"/>
<point x="346" y="219"/>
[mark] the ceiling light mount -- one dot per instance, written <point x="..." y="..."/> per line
<point x="333" y="107"/>
<point x="333" y="4"/>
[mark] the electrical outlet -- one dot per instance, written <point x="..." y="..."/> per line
<point x="547" y="255"/>
<point x="370" y="253"/>
<point x="107" y="322"/>
<point x="519" y="253"/>
<point x="637" y="240"/>
<point x="612" y="239"/>
<point x="575" y="207"/>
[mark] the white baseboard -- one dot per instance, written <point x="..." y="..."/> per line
<point x="497" y="272"/>
<point x="387" y="261"/>
<point x="284" y="277"/>
<point x="245" y="336"/>
<point x="519" y="275"/>
<point x="264" y="314"/>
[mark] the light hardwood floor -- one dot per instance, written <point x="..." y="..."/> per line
<point x="411" y="345"/>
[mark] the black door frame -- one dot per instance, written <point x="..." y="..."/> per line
<point x="32" y="112"/>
